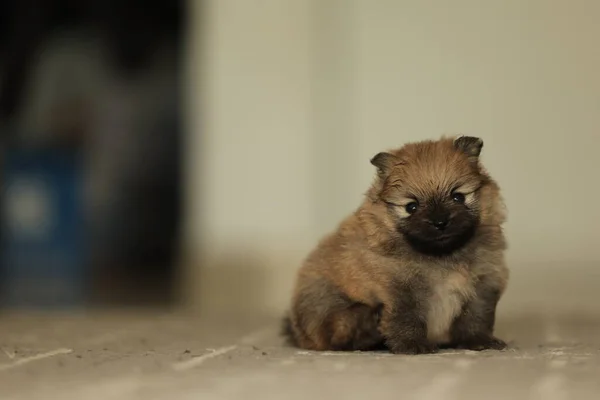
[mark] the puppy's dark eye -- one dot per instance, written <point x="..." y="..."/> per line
<point x="411" y="208"/>
<point x="458" y="197"/>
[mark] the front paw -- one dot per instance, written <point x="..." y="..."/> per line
<point x="483" y="343"/>
<point x="412" y="347"/>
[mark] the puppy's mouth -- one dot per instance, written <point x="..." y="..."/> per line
<point x="443" y="238"/>
<point x="439" y="245"/>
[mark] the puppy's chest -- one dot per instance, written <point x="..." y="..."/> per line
<point x="449" y="293"/>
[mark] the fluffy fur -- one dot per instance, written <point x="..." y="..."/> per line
<point x="419" y="265"/>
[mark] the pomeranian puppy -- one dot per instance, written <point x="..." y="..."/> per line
<point x="419" y="265"/>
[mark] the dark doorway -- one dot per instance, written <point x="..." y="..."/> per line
<point x="97" y="83"/>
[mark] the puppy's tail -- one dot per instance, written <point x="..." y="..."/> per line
<point x="287" y="331"/>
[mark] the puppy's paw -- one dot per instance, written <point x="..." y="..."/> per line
<point x="412" y="347"/>
<point x="483" y="343"/>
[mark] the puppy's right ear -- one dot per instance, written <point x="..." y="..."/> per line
<point x="383" y="162"/>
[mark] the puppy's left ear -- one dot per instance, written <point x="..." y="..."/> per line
<point x="469" y="145"/>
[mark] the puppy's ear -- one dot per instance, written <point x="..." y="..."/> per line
<point x="469" y="145"/>
<point x="383" y="162"/>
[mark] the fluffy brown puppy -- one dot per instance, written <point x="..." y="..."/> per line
<point x="419" y="265"/>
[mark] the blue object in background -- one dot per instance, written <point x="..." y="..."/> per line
<point x="43" y="261"/>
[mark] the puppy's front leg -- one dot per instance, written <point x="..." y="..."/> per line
<point x="473" y="329"/>
<point x="403" y="322"/>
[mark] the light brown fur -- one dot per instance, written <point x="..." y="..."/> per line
<point x="359" y="287"/>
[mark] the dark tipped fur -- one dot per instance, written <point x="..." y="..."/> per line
<point x="287" y="331"/>
<point x="419" y="265"/>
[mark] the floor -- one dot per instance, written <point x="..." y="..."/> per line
<point x="147" y="356"/>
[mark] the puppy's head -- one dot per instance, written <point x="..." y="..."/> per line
<point x="432" y="191"/>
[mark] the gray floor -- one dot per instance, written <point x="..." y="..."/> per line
<point x="133" y="356"/>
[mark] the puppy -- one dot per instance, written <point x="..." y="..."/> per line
<point x="419" y="265"/>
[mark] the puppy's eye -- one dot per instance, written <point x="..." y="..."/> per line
<point x="411" y="208"/>
<point x="458" y="197"/>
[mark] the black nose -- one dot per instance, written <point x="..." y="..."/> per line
<point x="440" y="223"/>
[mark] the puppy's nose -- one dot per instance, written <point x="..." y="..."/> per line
<point x="440" y="223"/>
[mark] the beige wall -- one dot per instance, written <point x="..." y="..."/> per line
<point x="297" y="95"/>
<point x="251" y="195"/>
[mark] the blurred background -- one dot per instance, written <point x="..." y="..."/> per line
<point x="171" y="153"/>
<point x="91" y="166"/>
